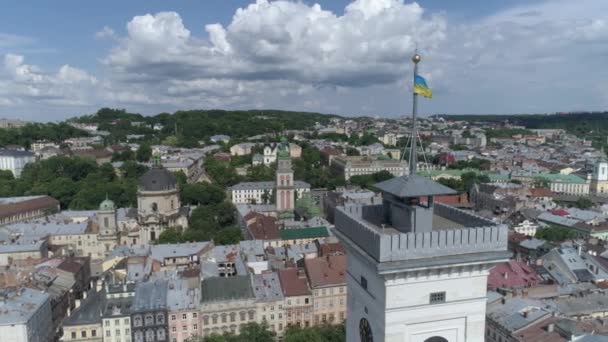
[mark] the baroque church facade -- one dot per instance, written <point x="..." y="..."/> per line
<point x="158" y="208"/>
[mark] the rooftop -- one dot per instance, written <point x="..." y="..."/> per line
<point x="267" y="287"/>
<point x="150" y="295"/>
<point x="226" y="288"/>
<point x="293" y="282"/>
<point x="413" y="186"/>
<point x="326" y="271"/>
<point x="163" y="251"/>
<point x="304" y="233"/>
<point x="20" y="305"/>
<point x="89" y="312"/>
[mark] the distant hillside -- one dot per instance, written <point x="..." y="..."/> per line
<point x="593" y="126"/>
<point x="194" y="125"/>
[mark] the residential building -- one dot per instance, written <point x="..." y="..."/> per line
<point x="327" y="279"/>
<point x="270" y="301"/>
<point x="181" y="255"/>
<point x="402" y="260"/>
<point x="7" y="123"/>
<point x="227" y="304"/>
<point x="85" y="323"/>
<point x="25" y="316"/>
<point x="149" y="312"/>
<point x="507" y="319"/>
<point x="183" y="303"/>
<point x="15" y="160"/>
<point x="512" y="275"/>
<point x="117" y="312"/>
<point x="271" y="151"/>
<point x="298" y="297"/>
<point x="357" y="165"/>
<point x="242" y="149"/>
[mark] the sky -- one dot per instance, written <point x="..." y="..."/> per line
<point x="60" y="59"/>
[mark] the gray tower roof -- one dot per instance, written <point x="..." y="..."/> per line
<point x="158" y="179"/>
<point x="413" y="186"/>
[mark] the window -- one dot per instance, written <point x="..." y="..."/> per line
<point x="306" y="301"/>
<point x="83" y="333"/>
<point x="117" y="332"/>
<point x="224" y="318"/>
<point x="205" y="320"/>
<point x="214" y="319"/>
<point x="195" y="327"/>
<point x="73" y="334"/>
<point x="184" y="316"/>
<point x="173" y="329"/>
<point x="184" y="328"/>
<point x="232" y="316"/>
<point x="194" y="315"/>
<point x="242" y="314"/>
<point x="437" y="297"/>
<point x="116" y="322"/>
<point x="363" y="283"/>
<point x="251" y="313"/>
<point x="108" y="333"/>
<point x="94" y="333"/>
<point x="173" y="318"/>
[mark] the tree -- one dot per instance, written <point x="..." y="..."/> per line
<point x="250" y="332"/>
<point x="323" y="333"/>
<point x="144" y="153"/>
<point x="583" y="203"/>
<point x="556" y="234"/>
<point x="170" y="235"/>
<point x="540" y="182"/>
<point x="351" y="151"/>
<point x="228" y="236"/>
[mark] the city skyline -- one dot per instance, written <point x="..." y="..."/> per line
<point x="343" y="57"/>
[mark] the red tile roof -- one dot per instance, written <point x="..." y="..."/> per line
<point x="293" y="282"/>
<point x="541" y="192"/>
<point x="512" y="274"/>
<point x="263" y="227"/>
<point x="326" y="271"/>
<point x="559" y="212"/>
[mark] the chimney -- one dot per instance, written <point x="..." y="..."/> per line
<point x="550" y="327"/>
<point x="77" y="304"/>
<point x="525" y="314"/>
<point x="580" y="250"/>
<point x="506" y="275"/>
<point x="85" y="294"/>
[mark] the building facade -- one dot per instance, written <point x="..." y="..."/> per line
<point x="599" y="178"/>
<point x="26" y="316"/>
<point x="149" y="312"/>
<point x="357" y="166"/>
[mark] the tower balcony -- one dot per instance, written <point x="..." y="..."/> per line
<point x="452" y="236"/>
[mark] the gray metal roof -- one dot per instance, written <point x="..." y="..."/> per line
<point x="231" y="288"/>
<point x="267" y="287"/>
<point x="89" y="312"/>
<point x="413" y="186"/>
<point x="20" y="305"/>
<point x="151" y="295"/>
<point x="157" y="179"/>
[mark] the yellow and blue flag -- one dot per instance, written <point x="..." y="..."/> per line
<point x="421" y="88"/>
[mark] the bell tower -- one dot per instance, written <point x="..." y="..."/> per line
<point x="285" y="197"/>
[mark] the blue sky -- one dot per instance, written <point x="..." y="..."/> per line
<point x="60" y="58"/>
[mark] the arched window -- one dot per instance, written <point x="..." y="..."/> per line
<point x="436" y="339"/>
<point x="232" y="316"/>
<point x="106" y="222"/>
<point x="224" y="318"/>
<point x="243" y="315"/>
<point x="154" y="207"/>
<point x="206" y="320"/>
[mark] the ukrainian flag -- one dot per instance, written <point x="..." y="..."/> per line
<point x="421" y="88"/>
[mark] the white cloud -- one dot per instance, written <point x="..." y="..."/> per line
<point x="105" y="33"/>
<point x="290" y="55"/>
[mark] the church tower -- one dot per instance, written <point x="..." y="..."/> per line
<point x="599" y="177"/>
<point x="285" y="187"/>
<point x="108" y="228"/>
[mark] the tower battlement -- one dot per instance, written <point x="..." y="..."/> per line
<point x="454" y="232"/>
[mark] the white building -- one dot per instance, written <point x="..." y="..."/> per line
<point x="15" y="161"/>
<point x="417" y="271"/>
<point x="271" y="151"/>
<point x="356" y="166"/>
<point x="261" y="192"/>
<point x="527" y="228"/>
<point x="26" y="316"/>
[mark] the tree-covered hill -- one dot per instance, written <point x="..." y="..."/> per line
<point x="195" y="125"/>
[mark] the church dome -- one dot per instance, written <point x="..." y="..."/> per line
<point x="107" y="205"/>
<point x="158" y="179"/>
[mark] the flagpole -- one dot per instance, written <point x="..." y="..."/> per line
<point x="413" y="152"/>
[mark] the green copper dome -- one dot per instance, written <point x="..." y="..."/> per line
<point x="107" y="205"/>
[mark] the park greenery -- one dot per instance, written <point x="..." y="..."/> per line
<point x="556" y="234"/>
<point x="254" y="332"/>
<point x="465" y="182"/>
<point x="368" y="181"/>
<point x="78" y="183"/>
